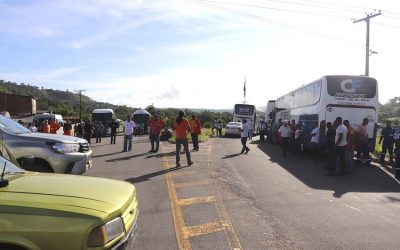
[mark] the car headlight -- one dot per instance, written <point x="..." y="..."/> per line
<point x="63" y="148"/>
<point x="103" y="234"/>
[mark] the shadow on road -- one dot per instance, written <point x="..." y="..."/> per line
<point x="148" y="177"/>
<point x="313" y="174"/>
<point x="126" y="157"/>
<point x="231" y="156"/>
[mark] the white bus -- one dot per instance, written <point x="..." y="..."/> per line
<point x="248" y="112"/>
<point x="351" y="97"/>
<point x="105" y="116"/>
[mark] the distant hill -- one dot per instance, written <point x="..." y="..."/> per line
<point x="61" y="102"/>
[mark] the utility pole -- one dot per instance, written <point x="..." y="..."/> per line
<point x="80" y="103"/>
<point x="367" y="51"/>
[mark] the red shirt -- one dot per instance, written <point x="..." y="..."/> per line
<point x="195" y="125"/>
<point x="182" y="129"/>
<point x="351" y="138"/>
<point x="155" y="125"/>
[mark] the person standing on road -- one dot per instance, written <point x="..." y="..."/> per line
<point x="285" y="132"/>
<point x="113" y="127"/>
<point x="363" y="140"/>
<point x="88" y="131"/>
<point x="129" y="128"/>
<point x="388" y="141"/>
<point x="195" y="125"/>
<point x="45" y="128"/>
<point x="244" y="134"/>
<point x="315" y="142"/>
<point x="155" y="124"/>
<point x="251" y="129"/>
<point x="182" y="127"/>
<point x="396" y="138"/>
<point x="262" y="127"/>
<point x="54" y="126"/>
<point x="341" y="145"/>
<point x="99" y="129"/>
<point x="351" y="140"/>
<point x="330" y="137"/>
<point x="67" y="127"/>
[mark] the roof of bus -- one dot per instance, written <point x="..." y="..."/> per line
<point x="103" y="111"/>
<point x="141" y="112"/>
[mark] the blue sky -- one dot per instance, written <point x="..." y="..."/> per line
<point x="194" y="53"/>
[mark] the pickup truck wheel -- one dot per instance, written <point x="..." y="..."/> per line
<point x="34" y="164"/>
<point x="42" y="166"/>
<point x="11" y="247"/>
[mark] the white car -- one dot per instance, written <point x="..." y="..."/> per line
<point x="233" y="128"/>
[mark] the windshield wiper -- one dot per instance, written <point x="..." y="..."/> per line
<point x="3" y="182"/>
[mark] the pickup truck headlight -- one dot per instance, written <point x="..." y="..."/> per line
<point x="63" y="148"/>
<point x="101" y="235"/>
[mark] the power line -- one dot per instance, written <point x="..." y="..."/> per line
<point x="278" y="9"/>
<point x="269" y="21"/>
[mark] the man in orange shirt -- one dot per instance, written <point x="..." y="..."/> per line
<point x="54" y="126"/>
<point x="155" y="124"/>
<point x="195" y="125"/>
<point x="182" y="127"/>
<point x="45" y="128"/>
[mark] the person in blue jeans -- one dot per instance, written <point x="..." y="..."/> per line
<point x="129" y="128"/>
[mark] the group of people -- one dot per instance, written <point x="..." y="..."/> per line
<point x="182" y="126"/>
<point x="339" y="141"/>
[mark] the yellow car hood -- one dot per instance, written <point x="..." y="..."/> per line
<point x="91" y="196"/>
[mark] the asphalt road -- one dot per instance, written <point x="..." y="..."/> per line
<point x="257" y="201"/>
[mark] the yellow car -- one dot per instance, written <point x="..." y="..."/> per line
<point x="56" y="211"/>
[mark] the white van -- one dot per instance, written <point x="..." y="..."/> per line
<point x="38" y="119"/>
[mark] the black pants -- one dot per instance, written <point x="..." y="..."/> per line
<point x="341" y="154"/>
<point x="262" y="135"/>
<point x="154" y="138"/>
<point x="195" y="140"/>
<point x="185" y="144"/>
<point x="245" y="148"/>
<point x="113" y="137"/>
<point x="285" y="145"/>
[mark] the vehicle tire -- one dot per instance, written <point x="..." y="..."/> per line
<point x="42" y="166"/>
<point x="11" y="247"/>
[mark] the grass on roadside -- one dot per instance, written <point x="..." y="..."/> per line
<point x="204" y="136"/>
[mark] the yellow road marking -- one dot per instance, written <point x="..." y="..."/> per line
<point x="186" y="172"/>
<point x="183" y="232"/>
<point x="197" y="200"/>
<point x="231" y="235"/>
<point x="179" y="223"/>
<point x="191" y="184"/>
<point x="202" y="229"/>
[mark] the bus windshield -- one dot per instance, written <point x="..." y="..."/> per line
<point x="102" y="116"/>
<point x="244" y="109"/>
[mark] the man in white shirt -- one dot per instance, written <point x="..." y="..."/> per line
<point x="251" y="129"/>
<point x="285" y="132"/>
<point x="341" y="145"/>
<point x="129" y="127"/>
<point x="315" y="142"/>
<point x="244" y="133"/>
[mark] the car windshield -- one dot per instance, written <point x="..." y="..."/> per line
<point x="12" y="127"/>
<point x="9" y="167"/>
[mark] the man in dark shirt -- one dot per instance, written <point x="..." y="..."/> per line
<point x="113" y="128"/>
<point x="388" y="141"/>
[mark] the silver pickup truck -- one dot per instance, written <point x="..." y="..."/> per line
<point x="45" y="152"/>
